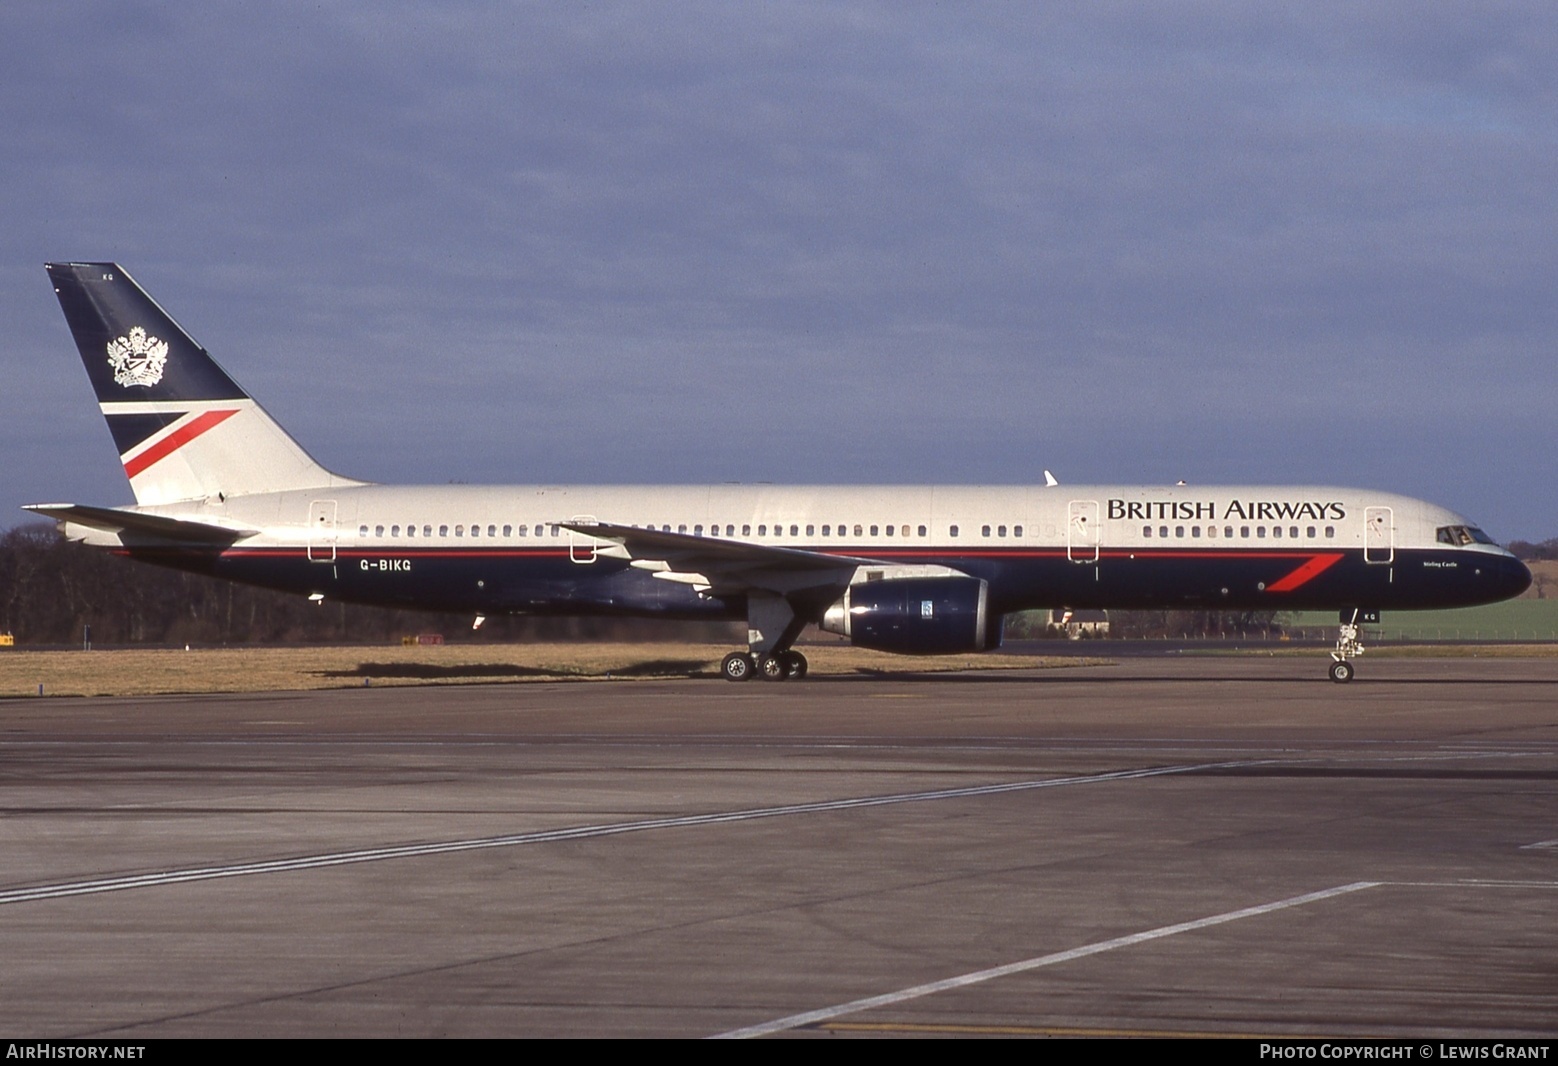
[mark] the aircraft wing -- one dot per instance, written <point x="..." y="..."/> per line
<point x="722" y="566"/>
<point x="116" y="521"/>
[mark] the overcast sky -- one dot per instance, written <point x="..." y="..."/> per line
<point x="640" y="242"/>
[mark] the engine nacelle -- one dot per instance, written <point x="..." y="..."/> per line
<point x="916" y="616"/>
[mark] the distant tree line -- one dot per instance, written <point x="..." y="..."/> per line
<point x="1230" y="625"/>
<point x="1528" y="552"/>
<point x="1156" y="625"/>
<point x="52" y="589"/>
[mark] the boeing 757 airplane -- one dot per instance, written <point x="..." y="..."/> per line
<point x="221" y="489"/>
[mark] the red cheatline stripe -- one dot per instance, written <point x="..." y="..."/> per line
<point x="1306" y="573"/>
<point x="176" y="440"/>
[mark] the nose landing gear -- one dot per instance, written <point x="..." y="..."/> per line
<point x="1347" y="645"/>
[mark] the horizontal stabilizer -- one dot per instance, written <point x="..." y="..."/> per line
<point x="117" y="521"/>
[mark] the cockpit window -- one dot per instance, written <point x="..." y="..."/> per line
<point x="1463" y="535"/>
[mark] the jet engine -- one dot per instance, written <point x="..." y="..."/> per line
<point x="916" y="616"/>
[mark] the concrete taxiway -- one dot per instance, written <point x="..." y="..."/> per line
<point x="1185" y="846"/>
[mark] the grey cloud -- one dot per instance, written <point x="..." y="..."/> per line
<point x="815" y="241"/>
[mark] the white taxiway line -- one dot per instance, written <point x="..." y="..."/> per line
<point x="795" y="1021"/>
<point x="408" y="851"/>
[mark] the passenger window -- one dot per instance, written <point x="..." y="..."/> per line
<point x="1146" y="531"/>
<point x="1228" y="532"/>
<point x="411" y="531"/>
<point x="888" y="530"/>
<point x="1260" y="532"/>
<point x="795" y="531"/>
<point x="508" y="531"/>
<point x="860" y="531"/>
<point x="1293" y="532"/>
<point x="362" y="531"/>
<point x="1276" y="531"/>
<point x="443" y="531"/>
<point x="730" y="531"/>
<point x="922" y="531"/>
<point x="697" y="530"/>
<point x="811" y="531"/>
<point x="824" y="531"/>
<point x="1179" y="531"/>
<point x="746" y="531"/>
<point x="873" y="531"/>
<point x="952" y="531"/>
<point x="1330" y="531"/>
<point x="682" y="528"/>
<point x="1163" y="531"/>
<point x="427" y="531"/>
<point x="492" y="531"/>
<point x="1211" y="531"/>
<point x="1017" y="531"/>
<point x="1000" y="531"/>
<point x="1195" y="532"/>
<point x="1244" y="531"/>
<point x="475" y="531"/>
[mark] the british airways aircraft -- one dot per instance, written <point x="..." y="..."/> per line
<point x="221" y="489"/>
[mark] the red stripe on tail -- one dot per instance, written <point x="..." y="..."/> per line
<point x="176" y="440"/>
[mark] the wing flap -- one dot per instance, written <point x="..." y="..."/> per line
<point x="723" y="566"/>
<point x="654" y="544"/>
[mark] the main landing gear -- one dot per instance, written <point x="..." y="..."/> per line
<point x="775" y="666"/>
<point x="772" y="626"/>
<point x="1347" y="647"/>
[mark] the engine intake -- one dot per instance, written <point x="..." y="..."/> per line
<point x="916" y="616"/>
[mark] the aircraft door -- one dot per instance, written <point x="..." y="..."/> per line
<point x="1083" y="531"/>
<point x="581" y="546"/>
<point x="1379" y="535"/>
<point x="322" y="532"/>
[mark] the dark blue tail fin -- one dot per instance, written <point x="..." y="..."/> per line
<point x="185" y="430"/>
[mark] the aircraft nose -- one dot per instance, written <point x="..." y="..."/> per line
<point x="1514" y="576"/>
